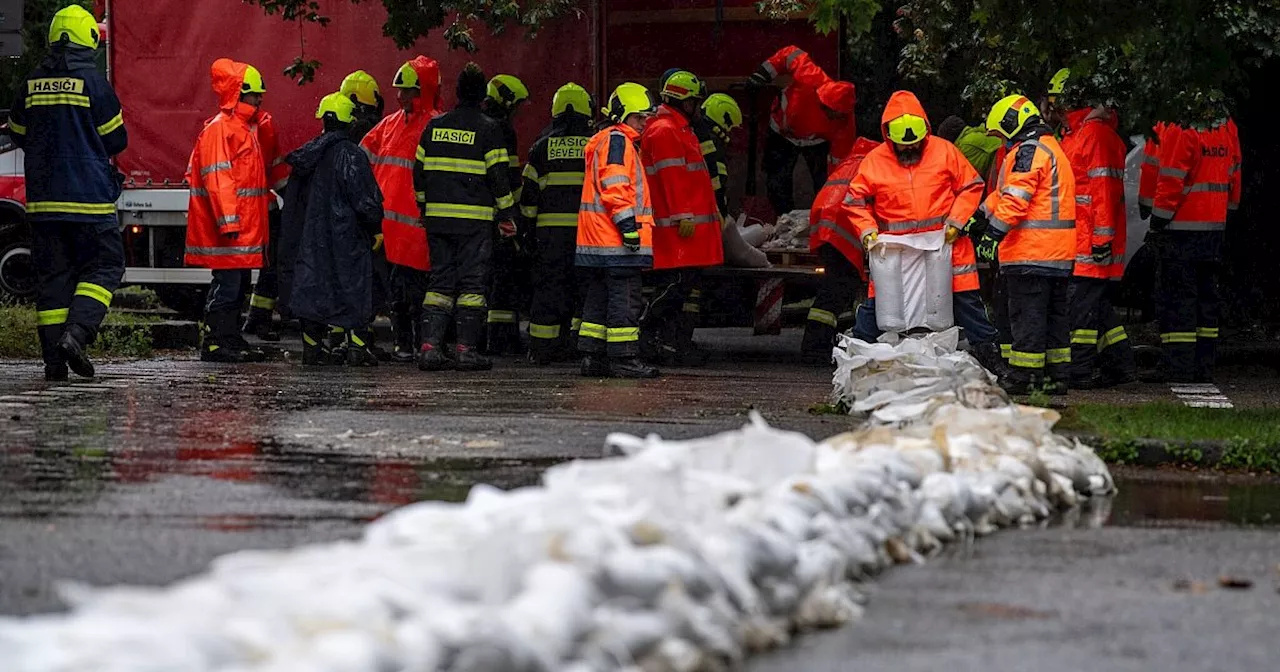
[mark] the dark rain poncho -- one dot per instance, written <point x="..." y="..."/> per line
<point x="332" y="210"/>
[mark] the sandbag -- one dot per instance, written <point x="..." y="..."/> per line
<point x="738" y="253"/>
<point x="912" y="275"/>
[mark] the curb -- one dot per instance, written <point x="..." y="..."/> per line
<point x="1212" y="454"/>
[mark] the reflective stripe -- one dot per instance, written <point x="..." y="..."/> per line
<point x="602" y="251"/>
<point x="252" y="193"/>
<point x="572" y="179"/>
<point x="307" y="339"/>
<point x="690" y="307"/>
<point x="496" y="157"/>
<point x="501" y="317"/>
<point x="822" y="317"/>
<point x="45" y="318"/>
<point x="472" y="301"/>
<point x="1112" y="337"/>
<point x="1083" y="199"/>
<point x="591" y="207"/>
<point x="1162" y="213"/>
<point x="513" y="161"/>
<point x="68" y="207"/>
<point x="450" y="165"/>
<point x="1207" y="332"/>
<point x="506" y="201"/>
<point x="43" y="99"/>
<point x="623" y="334"/>
<point x="281" y="184"/>
<point x="838" y="183"/>
<point x="401" y="218"/>
<point x="438" y="300"/>
<point x="575" y="324"/>
<point x="213" y="168"/>
<point x="695" y="167"/>
<point x="280" y="159"/>
<point x="1106" y="172"/>
<point x="1006" y="350"/>
<point x="1058" y="356"/>
<point x="15" y="127"/>
<point x="1104" y="231"/>
<point x="399" y="162"/>
<point x="1018" y="192"/>
<point x="355" y="338"/>
<point x="1084" y="337"/>
<point x="891" y="227"/>
<point x="622" y="215"/>
<point x="421" y="155"/>
<point x="1178" y="337"/>
<point x="963" y="269"/>
<point x="1197" y="226"/>
<point x="228" y="219"/>
<point x="544" y="331"/>
<point x="550" y="219"/>
<point x="1026" y="360"/>
<point x="856" y="202"/>
<point x="224" y="251"/>
<point x="593" y="330"/>
<point x="1150" y="160"/>
<point x="791" y="58"/>
<point x="768" y="67"/>
<point x="1172" y="172"/>
<point x="1054" y="186"/>
<point x="1143" y="200"/>
<point x="708" y="146"/>
<point x="828" y="225"/>
<point x="972" y="183"/>
<point x="420" y="196"/>
<point x="715" y="182"/>
<point x="998" y="224"/>
<point x="115" y="122"/>
<point x="263" y="302"/>
<point x="664" y="164"/>
<point x="1049" y="224"/>
<point x="1088" y="260"/>
<point x="1209" y="186"/>
<point x="529" y="211"/>
<point x="458" y="211"/>
<point x="676" y="219"/>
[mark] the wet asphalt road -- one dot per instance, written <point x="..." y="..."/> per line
<point x="156" y="467"/>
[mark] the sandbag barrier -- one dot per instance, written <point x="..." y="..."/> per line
<point x="665" y="555"/>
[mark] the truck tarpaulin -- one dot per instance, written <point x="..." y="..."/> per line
<point x="161" y="51"/>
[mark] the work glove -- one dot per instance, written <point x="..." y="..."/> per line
<point x="377" y="242"/>
<point x="631" y="240"/>
<point x="954" y="233"/>
<point x="870" y="240"/>
<point x="1102" y="253"/>
<point x="1144" y="211"/>
<point x="1159" y="223"/>
<point x="757" y="79"/>
<point x="687" y="228"/>
<point x="988" y="246"/>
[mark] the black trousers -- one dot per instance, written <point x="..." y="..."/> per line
<point x="459" y="278"/>
<point x="222" y="306"/>
<point x="407" y="287"/>
<point x="78" y="266"/>
<point x="674" y="312"/>
<point x="267" y="290"/>
<point x="836" y="293"/>
<point x="1039" y="316"/>
<point x="611" y="312"/>
<point x="1188" y="301"/>
<point x="1000" y="313"/>
<point x="555" y="288"/>
<point x="779" y="163"/>
<point x="508" y="287"/>
<point x="1098" y="340"/>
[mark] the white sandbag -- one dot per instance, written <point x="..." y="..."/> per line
<point x="755" y="233"/>
<point x="739" y="253"/>
<point x="912" y="274"/>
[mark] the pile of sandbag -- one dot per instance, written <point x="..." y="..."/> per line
<point x="790" y="233"/>
<point x="663" y="555"/>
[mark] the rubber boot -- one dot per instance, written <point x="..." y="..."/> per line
<point x="819" y="339"/>
<point x="680" y="349"/>
<point x="360" y="348"/>
<point x="431" y="355"/>
<point x="74" y="348"/>
<point x="337" y="346"/>
<point x="631" y="367"/>
<point x="260" y="324"/>
<point x="502" y="338"/>
<point x="405" y="339"/>
<point x="219" y="341"/>
<point x="235" y="339"/>
<point x="315" y="346"/>
<point x="595" y="366"/>
<point x="470" y="328"/>
<point x="1021" y="384"/>
<point x="988" y="355"/>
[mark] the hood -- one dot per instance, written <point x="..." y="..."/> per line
<point x="428" y="71"/>
<point x="69" y="57"/>
<point x="1077" y="118"/>
<point x="837" y="96"/>
<point x="227" y="76"/>
<point x="306" y="158"/>
<point x="900" y="103"/>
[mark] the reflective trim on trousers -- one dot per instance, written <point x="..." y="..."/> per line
<point x="822" y="317"/>
<point x="622" y="334"/>
<point x="1178" y="337"/>
<point x="438" y="300"/>
<point x="1206" y="332"/>
<point x="964" y="269"/>
<point x="557" y="219"/>
<point x="472" y="301"/>
<point x="544" y="331"/>
<point x="263" y="302"/>
<point x="501" y="317"/>
<point x="1058" y="356"/>
<point x="1112" y="337"/>
<point x="1084" y="337"/>
<point x="593" y="330"/>
<point x="1027" y="360"/>
<point x="47" y="318"/>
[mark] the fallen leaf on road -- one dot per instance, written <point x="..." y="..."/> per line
<point x="482" y="443"/>
<point x="1189" y="586"/>
<point x="1235" y="582"/>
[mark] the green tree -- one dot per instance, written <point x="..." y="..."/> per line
<point x="36" y="16"/>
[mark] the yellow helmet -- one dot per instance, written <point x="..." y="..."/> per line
<point x="507" y="90"/>
<point x="571" y="98"/>
<point x="723" y="111"/>
<point x="682" y="85"/>
<point x="1010" y="115"/>
<point x="77" y="25"/>
<point x="1058" y="83"/>
<point x="339" y="105"/>
<point x="252" y="82"/>
<point x="628" y="99"/>
<point x="907" y="129"/>
<point x="363" y="86"/>
<point x="406" y="78"/>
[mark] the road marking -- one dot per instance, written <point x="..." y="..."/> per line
<point x="1201" y="395"/>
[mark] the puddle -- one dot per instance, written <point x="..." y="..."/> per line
<point x="1166" y="502"/>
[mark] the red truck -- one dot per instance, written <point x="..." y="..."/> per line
<point x="158" y="54"/>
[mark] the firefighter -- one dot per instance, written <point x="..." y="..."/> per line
<point x="504" y="97"/>
<point x="1100" y="352"/>
<point x="813" y="119"/>
<point x="1198" y="184"/>
<point x="68" y="121"/>
<point x="844" y="265"/>
<point x="723" y="115"/>
<point x="1031" y="215"/>
<point x="266" y="291"/>
<point x="227" y="211"/>
<point x="461" y="182"/>
<point x="916" y="183"/>
<point x="362" y="89"/>
<point x="1150" y="168"/>
<point x="334" y="205"/>
<point x="549" y="201"/>
<point x="392" y="146"/>
<point x="687" y="220"/>
<point x="615" y="230"/>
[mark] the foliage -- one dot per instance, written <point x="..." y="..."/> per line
<point x="409" y="20"/>
<point x="36" y="15"/>
<point x="1206" y="437"/>
<point x="1118" y="451"/>
<point x="122" y="334"/>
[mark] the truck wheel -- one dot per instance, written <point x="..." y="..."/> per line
<point x="186" y="300"/>
<point x="17" y="272"/>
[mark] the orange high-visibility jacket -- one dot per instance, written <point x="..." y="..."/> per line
<point x="797" y="114"/>
<point x="828" y="225"/>
<point x="392" y="146"/>
<point x="1199" y="178"/>
<point x="1035" y="203"/>
<point x="269" y="140"/>
<point x="615" y="198"/>
<point x="1150" y="167"/>
<point x="1097" y="153"/>
<point x="943" y="189"/>
<point x="228" y="179"/>
<point x="682" y="190"/>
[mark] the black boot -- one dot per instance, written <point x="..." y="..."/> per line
<point x="315" y="347"/>
<point x="337" y="346"/>
<point x="219" y="343"/>
<point x="360" y="348"/>
<point x="55" y="373"/>
<point x="260" y="324"/>
<point x="595" y="366"/>
<point x="74" y="348"/>
<point x="819" y="339"/>
<point x="435" y="326"/>
<point x="406" y="343"/>
<point x="631" y="367"/>
<point x="988" y="355"/>
<point x="471" y="326"/>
